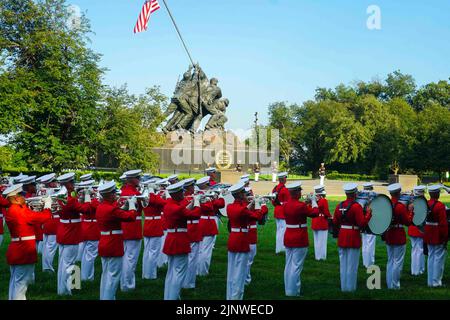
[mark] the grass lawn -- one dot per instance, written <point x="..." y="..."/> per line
<point x="320" y="279"/>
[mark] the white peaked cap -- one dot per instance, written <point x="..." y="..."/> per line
<point x="203" y="180"/>
<point x="176" y="187"/>
<point x="282" y="175"/>
<point x="210" y="170"/>
<point x="294" y="185"/>
<point x="13" y="190"/>
<point x="236" y="188"/>
<point x="107" y="187"/>
<point x="434" y="188"/>
<point x="27" y="180"/>
<point x="392" y="188"/>
<point x="66" y="177"/>
<point x="350" y="187"/>
<point x="46" y="178"/>
<point x="86" y="177"/>
<point x="132" y="173"/>
<point x="188" y="182"/>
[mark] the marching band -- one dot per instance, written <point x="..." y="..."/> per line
<point x="178" y="222"/>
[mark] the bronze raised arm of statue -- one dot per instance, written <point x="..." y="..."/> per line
<point x="188" y="108"/>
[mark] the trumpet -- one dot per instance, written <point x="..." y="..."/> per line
<point x="262" y="198"/>
<point x="37" y="203"/>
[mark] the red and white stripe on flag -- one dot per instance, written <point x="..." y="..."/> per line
<point x="149" y="7"/>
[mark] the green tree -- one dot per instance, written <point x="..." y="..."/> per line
<point x="50" y="83"/>
<point x="127" y="128"/>
<point x="433" y="93"/>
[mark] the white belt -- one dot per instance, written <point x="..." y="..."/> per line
<point x="23" y="238"/>
<point x="350" y="227"/>
<point x="93" y="220"/>
<point x="56" y="216"/>
<point x="239" y="230"/>
<point x="153" y="218"/>
<point x="432" y="224"/>
<point x="207" y="217"/>
<point x="139" y="218"/>
<point x="397" y="226"/>
<point x="108" y="233"/>
<point x="193" y="221"/>
<point x="70" y="220"/>
<point x="253" y="226"/>
<point x="296" y="226"/>
<point x="177" y="230"/>
<point x="321" y="215"/>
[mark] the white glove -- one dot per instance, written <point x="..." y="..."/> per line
<point x="47" y="203"/>
<point x="132" y="203"/>
<point x="197" y="201"/>
<point x="151" y="191"/>
<point x="87" y="197"/>
<point x="167" y="194"/>
<point x="125" y="206"/>
<point x="257" y="204"/>
<point x="314" y="202"/>
<point x="251" y="205"/>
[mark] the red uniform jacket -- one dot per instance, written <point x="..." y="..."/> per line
<point x="3" y="205"/>
<point x="436" y="230"/>
<point x="132" y="230"/>
<point x="69" y="227"/>
<point x="295" y="213"/>
<point x="193" y="224"/>
<point x="109" y="220"/>
<point x="89" y="226"/>
<point x="176" y="216"/>
<point x="50" y="227"/>
<point x="396" y="235"/>
<point x="208" y="225"/>
<point x="21" y="222"/>
<point x="212" y="182"/>
<point x="283" y="196"/>
<point x="350" y="238"/>
<point x="38" y="231"/>
<point x="153" y="226"/>
<point x="239" y="217"/>
<point x="321" y="222"/>
<point x="414" y="231"/>
<point x="253" y="225"/>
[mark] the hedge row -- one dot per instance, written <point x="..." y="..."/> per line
<point x="334" y="175"/>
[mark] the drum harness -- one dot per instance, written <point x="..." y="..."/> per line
<point x="344" y="215"/>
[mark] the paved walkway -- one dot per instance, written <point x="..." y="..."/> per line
<point x="332" y="187"/>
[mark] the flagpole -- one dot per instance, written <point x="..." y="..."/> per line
<point x="178" y="32"/>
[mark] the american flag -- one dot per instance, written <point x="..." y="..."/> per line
<point x="149" y="7"/>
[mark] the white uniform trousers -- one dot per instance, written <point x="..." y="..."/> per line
<point x="368" y="249"/>
<point x="48" y="252"/>
<point x="322" y="180"/>
<point x="251" y="258"/>
<point x="236" y="274"/>
<point x="436" y="264"/>
<point x="349" y="262"/>
<point x="417" y="256"/>
<point x="320" y="244"/>
<point x="67" y="257"/>
<point x="205" y="255"/>
<point x="152" y="250"/>
<point x="176" y="273"/>
<point x="191" y="274"/>
<point x="111" y="271"/>
<point x="162" y="259"/>
<point x="132" y="248"/>
<point x="80" y="251"/>
<point x="274" y="177"/>
<point x="21" y="277"/>
<point x="90" y="252"/>
<point x="281" y="228"/>
<point x="295" y="258"/>
<point x="396" y="257"/>
<point x="256" y="176"/>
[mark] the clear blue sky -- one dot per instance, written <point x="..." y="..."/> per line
<point x="264" y="51"/>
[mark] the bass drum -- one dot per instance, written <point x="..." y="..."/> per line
<point x="420" y="210"/>
<point x="381" y="207"/>
<point x="228" y="198"/>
